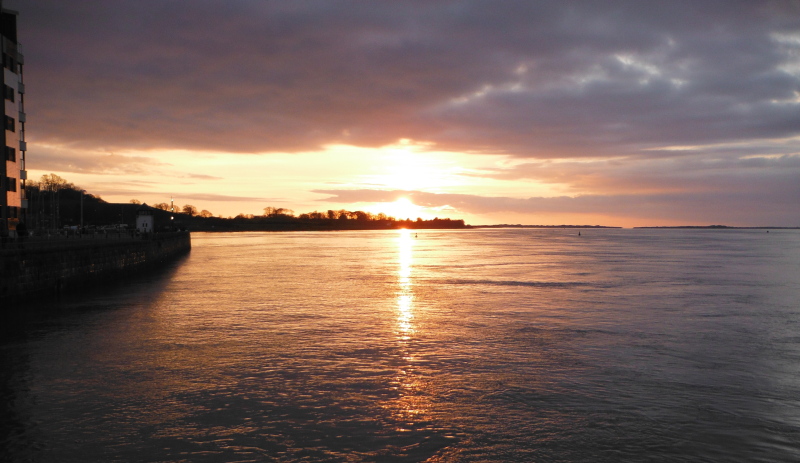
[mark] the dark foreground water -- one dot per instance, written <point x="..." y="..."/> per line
<point x="481" y="345"/>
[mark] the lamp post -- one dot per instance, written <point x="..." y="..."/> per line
<point x="83" y="192"/>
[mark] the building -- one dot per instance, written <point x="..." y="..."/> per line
<point x="144" y="219"/>
<point x="12" y="169"/>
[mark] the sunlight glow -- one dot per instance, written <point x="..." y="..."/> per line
<point x="403" y="208"/>
<point x="411" y="165"/>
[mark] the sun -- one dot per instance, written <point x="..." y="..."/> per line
<point x="401" y="209"/>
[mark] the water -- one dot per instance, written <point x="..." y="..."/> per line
<point x="475" y="345"/>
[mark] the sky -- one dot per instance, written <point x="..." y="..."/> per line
<point x="618" y="113"/>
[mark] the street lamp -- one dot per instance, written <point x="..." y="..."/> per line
<point x="83" y="192"/>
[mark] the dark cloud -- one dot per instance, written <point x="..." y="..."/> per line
<point x="531" y="79"/>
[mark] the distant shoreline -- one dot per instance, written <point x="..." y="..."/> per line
<point x="538" y="226"/>
<point x="676" y="227"/>
<point x="262" y="228"/>
<point x="722" y="227"/>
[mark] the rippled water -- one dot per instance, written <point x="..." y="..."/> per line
<point x="476" y="345"/>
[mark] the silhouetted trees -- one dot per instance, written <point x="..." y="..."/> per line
<point x="54" y="203"/>
<point x="189" y="209"/>
<point x="270" y="211"/>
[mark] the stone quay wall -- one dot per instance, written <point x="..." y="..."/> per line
<point x="36" y="269"/>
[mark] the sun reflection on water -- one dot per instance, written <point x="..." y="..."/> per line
<point x="405" y="297"/>
<point x="411" y="406"/>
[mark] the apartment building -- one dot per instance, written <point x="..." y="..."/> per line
<point x="12" y="170"/>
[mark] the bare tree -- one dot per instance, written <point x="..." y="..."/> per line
<point x="189" y="209"/>
<point x="270" y="211"/>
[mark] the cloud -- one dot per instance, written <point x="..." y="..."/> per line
<point x="67" y="159"/>
<point x="71" y="160"/>
<point x="201" y="177"/>
<point x="225" y="198"/>
<point x="704" y="172"/>
<point x="137" y="189"/>
<point x="528" y="79"/>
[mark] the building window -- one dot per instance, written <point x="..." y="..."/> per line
<point x="11" y="154"/>
<point x="8" y="93"/>
<point x="9" y="63"/>
<point x="12" y="183"/>
<point x="10" y="124"/>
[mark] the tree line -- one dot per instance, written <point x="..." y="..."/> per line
<point x="53" y="202"/>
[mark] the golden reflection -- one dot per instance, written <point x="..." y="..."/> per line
<point x="411" y="405"/>
<point x="405" y="296"/>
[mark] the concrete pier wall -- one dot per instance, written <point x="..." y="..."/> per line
<point x="38" y="270"/>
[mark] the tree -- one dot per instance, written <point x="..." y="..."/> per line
<point x="206" y="214"/>
<point x="53" y="182"/>
<point x="135" y="201"/>
<point x="270" y="211"/>
<point x="189" y="209"/>
<point x="162" y="206"/>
